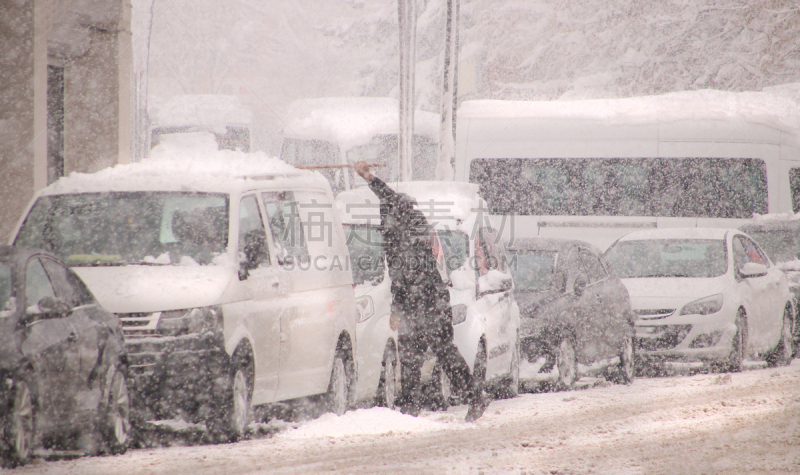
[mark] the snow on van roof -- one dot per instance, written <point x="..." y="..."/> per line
<point x="204" y="110"/>
<point x="438" y="200"/>
<point x="777" y="106"/>
<point x="352" y="121"/>
<point x="187" y="162"/>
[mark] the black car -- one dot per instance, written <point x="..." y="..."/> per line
<point x="63" y="372"/>
<point x="573" y="308"/>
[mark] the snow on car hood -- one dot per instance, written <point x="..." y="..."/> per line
<point x="662" y="291"/>
<point x="133" y="289"/>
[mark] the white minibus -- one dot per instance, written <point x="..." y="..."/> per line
<point x="597" y="169"/>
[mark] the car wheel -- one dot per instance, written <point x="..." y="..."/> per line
<point x="782" y="354"/>
<point x="19" y="427"/>
<point x="116" y="418"/>
<point x="388" y="385"/>
<point x="738" y="344"/>
<point x="230" y="421"/>
<point x="567" y="364"/>
<point x="510" y="388"/>
<point x="626" y="356"/>
<point x="338" y="387"/>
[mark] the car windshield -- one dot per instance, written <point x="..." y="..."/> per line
<point x="532" y="270"/>
<point x="669" y="258"/>
<point x="129" y="228"/>
<point x="366" y="255"/>
<point x="781" y="245"/>
<point x="6" y="301"/>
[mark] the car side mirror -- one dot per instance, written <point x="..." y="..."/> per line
<point x="580" y="285"/>
<point x="753" y="269"/>
<point x="49" y="307"/>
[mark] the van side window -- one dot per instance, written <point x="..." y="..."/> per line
<point x="286" y="227"/>
<point x="252" y="236"/>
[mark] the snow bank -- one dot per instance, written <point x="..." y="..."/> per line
<point x="185" y="162"/>
<point x="777" y="107"/>
<point x="375" y="421"/>
<point x="352" y="121"/>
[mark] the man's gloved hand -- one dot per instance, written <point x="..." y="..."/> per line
<point x="362" y="168"/>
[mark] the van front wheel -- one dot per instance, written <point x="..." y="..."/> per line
<point x="337" y="395"/>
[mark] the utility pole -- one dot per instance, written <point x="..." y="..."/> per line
<point x="445" y="166"/>
<point x="407" y="22"/>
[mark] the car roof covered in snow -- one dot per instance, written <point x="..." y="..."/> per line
<point x="352" y="121"/>
<point x="439" y="201"/>
<point x="191" y="162"/>
<point x="678" y="233"/>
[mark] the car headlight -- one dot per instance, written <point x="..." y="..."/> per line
<point x="704" y="306"/>
<point x="459" y="313"/>
<point x="190" y="320"/>
<point x="365" y="308"/>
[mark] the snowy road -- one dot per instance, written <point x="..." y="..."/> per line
<point x="741" y="423"/>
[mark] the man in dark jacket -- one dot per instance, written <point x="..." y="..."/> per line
<point x="420" y="300"/>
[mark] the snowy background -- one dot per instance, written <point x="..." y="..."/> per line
<point x="273" y="53"/>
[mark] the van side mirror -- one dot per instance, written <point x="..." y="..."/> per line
<point x="580" y="285"/>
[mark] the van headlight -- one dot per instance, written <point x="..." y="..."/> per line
<point x="365" y="308"/>
<point x="190" y="320"/>
<point x="459" y="313"/>
<point x="704" y="306"/>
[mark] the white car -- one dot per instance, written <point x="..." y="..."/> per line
<point x="473" y="262"/>
<point x="704" y="296"/>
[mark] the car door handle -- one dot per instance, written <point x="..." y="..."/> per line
<point x="72" y="337"/>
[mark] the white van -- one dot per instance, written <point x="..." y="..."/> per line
<point x="597" y="169"/>
<point x="226" y="270"/>
<point x="473" y="263"/>
<point x="342" y="130"/>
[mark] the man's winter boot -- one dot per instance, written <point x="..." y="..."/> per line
<point x="477" y="405"/>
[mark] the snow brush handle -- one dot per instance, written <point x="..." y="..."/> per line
<point x="320" y="167"/>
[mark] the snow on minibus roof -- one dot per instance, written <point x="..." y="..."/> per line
<point x="203" y="110"/>
<point x="188" y="162"/>
<point x="777" y="106"/>
<point x="352" y="121"/>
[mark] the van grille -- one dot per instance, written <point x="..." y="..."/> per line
<point x="140" y="324"/>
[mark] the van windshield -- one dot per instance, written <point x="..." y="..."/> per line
<point x="668" y="187"/>
<point x="118" y="228"/>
